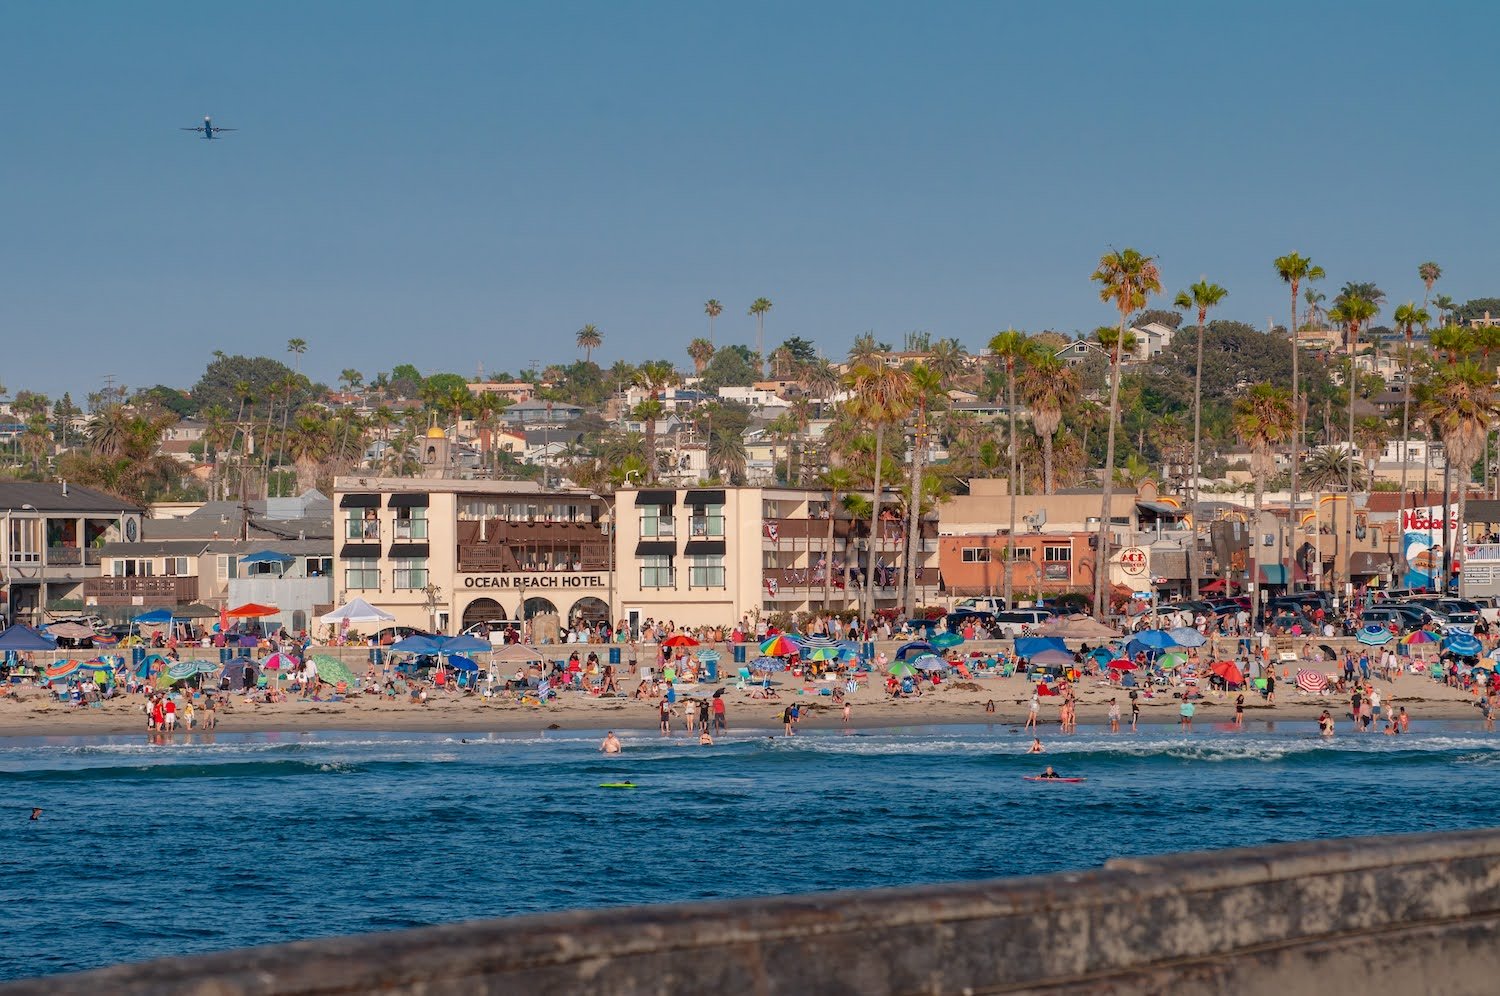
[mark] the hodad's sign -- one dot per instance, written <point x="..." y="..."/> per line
<point x="552" y="580"/>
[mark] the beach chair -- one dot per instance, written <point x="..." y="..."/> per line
<point x="742" y="679"/>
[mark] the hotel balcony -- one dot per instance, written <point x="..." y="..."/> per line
<point x="140" y="590"/>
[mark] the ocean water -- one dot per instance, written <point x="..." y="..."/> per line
<point x="146" y="850"/>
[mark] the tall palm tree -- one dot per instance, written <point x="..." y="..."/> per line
<point x="1314" y="299"/>
<point x="1352" y="312"/>
<point x="297" y="347"/>
<point x="1049" y="386"/>
<point x="1126" y="279"/>
<point x="1464" y="407"/>
<point x="882" y="396"/>
<point x="949" y="359"/>
<point x="1295" y="269"/>
<point x="647" y="412"/>
<point x="351" y="378"/>
<point x="838" y="481"/>
<point x="758" y="308"/>
<point x="1011" y="348"/>
<point x="713" y="309"/>
<point x="1407" y="318"/>
<point x="1430" y="273"/>
<point x="927" y="392"/>
<point x="308" y="447"/>
<point x="1263" y="419"/>
<point x="700" y="351"/>
<point x="1202" y="296"/>
<point x="588" y="339"/>
<point x="1445" y="306"/>
<point x="218" y="436"/>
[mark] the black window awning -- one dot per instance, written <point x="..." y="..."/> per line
<point x="704" y="547"/>
<point x="360" y="551"/>
<point x="408" y="499"/>
<point x="656" y="497"/>
<point x="359" y="501"/>
<point x="405" y="550"/>
<point x="656" y="548"/>
<point x="701" y="496"/>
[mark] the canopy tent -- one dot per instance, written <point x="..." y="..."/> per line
<point x="234" y="672"/>
<point x="267" y="557"/>
<point x="462" y="644"/>
<point x="20" y="637"/>
<point x="356" y="611"/>
<point x="915" y="647"/>
<point x="196" y="611"/>
<point x="517" y="653"/>
<point x="156" y="617"/>
<point x="416" y="644"/>
<point x="1052" y="658"/>
<point x="70" y="631"/>
<point x="1078" y="626"/>
<point x="252" y="610"/>
<point x="1030" y="646"/>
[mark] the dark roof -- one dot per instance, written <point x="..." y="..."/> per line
<point x="50" y="498"/>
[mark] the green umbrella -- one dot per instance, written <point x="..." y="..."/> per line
<point x="1170" y="662"/>
<point x="824" y="654"/>
<point x="901" y="669"/>
<point x="945" y="640"/>
<point x="332" y="670"/>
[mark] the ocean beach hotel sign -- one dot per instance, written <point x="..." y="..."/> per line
<point x="539" y="580"/>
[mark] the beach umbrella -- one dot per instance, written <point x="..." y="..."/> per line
<point x="70" y="631"/>
<point x="1374" y="635"/>
<point x="679" y="640"/>
<point x="914" y="648"/>
<point x="1186" y="636"/>
<point x="1417" y="637"/>
<point x="461" y="663"/>
<point x="1123" y="666"/>
<point x="780" y="645"/>
<point x="1155" y="639"/>
<point x="902" y="669"/>
<point x="1101" y="654"/>
<point x="1228" y="671"/>
<point x="824" y="654"/>
<point x="818" y="641"/>
<point x="708" y="656"/>
<point x="1462" y="644"/>
<point x="278" y="661"/>
<point x="768" y="664"/>
<point x="1030" y="646"/>
<point x="1052" y="658"/>
<point x="1311" y="681"/>
<point x="1170" y="662"/>
<point x="945" y="640"/>
<point x="332" y="670"/>
<point x="930" y="662"/>
<point x="58" y="670"/>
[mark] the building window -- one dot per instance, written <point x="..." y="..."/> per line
<point x="708" y="521"/>
<point x="362" y="574"/>
<point x="410" y="573"/>
<point x="976" y="555"/>
<point x="411" y="523"/>
<point x="175" y="567"/>
<point x="318" y="567"/>
<point x="656" y="571"/>
<point x="655" y="524"/>
<point x="1057" y="554"/>
<point x="706" y="570"/>
<point x="362" y="524"/>
<point x="1021" y="553"/>
<point x="228" y="567"/>
<point x="134" y="568"/>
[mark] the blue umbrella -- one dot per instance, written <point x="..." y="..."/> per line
<point x="155" y="617"/>
<point x="1375" y="635"/>
<point x="768" y="664"/>
<point x="415" y="644"/>
<point x="460" y="663"/>
<point x="268" y="557"/>
<point x="1186" y="636"/>
<point x="1030" y="646"/>
<point x="1155" y="639"/>
<point x="1462" y="644"/>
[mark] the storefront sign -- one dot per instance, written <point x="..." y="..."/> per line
<point x="1133" y="560"/>
<point x="1057" y="571"/>
<point x="560" y="579"/>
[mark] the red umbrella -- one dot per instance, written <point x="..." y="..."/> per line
<point x="679" y="640"/>
<point x="1311" y="681"/>
<point x="1229" y="672"/>
<point x="1123" y="665"/>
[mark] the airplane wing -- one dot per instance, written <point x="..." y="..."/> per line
<point x="199" y="128"/>
<point x="217" y="129"/>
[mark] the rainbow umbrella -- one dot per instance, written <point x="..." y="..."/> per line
<point x="780" y="646"/>
<point x="1418" y="636"/>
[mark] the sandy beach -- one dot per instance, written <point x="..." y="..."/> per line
<point x="31" y="712"/>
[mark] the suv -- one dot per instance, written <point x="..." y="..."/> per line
<point x="1015" y="621"/>
<point x="981" y="605"/>
<point x="1406" y="617"/>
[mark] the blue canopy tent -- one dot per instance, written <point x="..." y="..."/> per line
<point x="267" y="557"/>
<point x="25" y="638"/>
<point x="156" y="617"/>
<point x="464" y="644"/>
<point x="1030" y="646"/>
<point x="916" y="647"/>
<point x="416" y="645"/>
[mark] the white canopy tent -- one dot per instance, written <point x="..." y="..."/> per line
<point x="355" y="612"/>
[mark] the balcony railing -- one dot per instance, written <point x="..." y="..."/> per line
<point x="124" y="591"/>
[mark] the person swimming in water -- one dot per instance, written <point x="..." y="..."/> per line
<point x="611" y="744"/>
<point x="1036" y="746"/>
<point x="36" y="813"/>
<point x="1049" y="773"/>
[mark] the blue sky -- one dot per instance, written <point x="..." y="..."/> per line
<point x="463" y="183"/>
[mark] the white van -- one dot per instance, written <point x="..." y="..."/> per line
<point x="1016" y="622"/>
<point x="980" y="605"/>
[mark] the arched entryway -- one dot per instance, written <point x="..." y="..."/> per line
<point x="537" y="606"/>
<point x="483" y="610"/>
<point x="588" y="611"/>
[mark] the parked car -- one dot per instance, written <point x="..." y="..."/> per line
<point x="1017" y="621"/>
<point x="955" y="621"/>
<point x="986" y="604"/>
<point x="1388" y="613"/>
<point x="390" y="634"/>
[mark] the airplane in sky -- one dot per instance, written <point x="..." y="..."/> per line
<point x="208" y="129"/>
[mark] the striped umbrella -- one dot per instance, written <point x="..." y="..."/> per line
<point x="1462" y="644"/>
<point x="1374" y="635"/>
<point x="1311" y="681"/>
<point x="59" y="670"/>
<point x="709" y="656"/>
<point x="818" y="642"/>
<point x="1418" y="636"/>
<point x="780" y="646"/>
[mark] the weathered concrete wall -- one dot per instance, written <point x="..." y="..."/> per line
<point x="1412" y="914"/>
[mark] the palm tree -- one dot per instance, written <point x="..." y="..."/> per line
<point x="218" y="436"/>
<point x="1011" y="348"/>
<point x="647" y="412"/>
<point x="949" y="359"/>
<point x="1049" y="386"/>
<point x="838" y="481"/>
<point x="588" y="338"/>
<point x="882" y="397"/>
<point x="727" y="454"/>
<point x="351" y="378"/>
<point x="1408" y="317"/>
<point x="1351" y="311"/>
<point x="297" y="347"/>
<point x="1294" y="269"/>
<point x="927" y="391"/>
<point x="713" y="309"/>
<point x="758" y="308"/>
<point x="1314" y="299"/>
<point x="1264" y="419"/>
<point x="700" y="350"/>
<point x="1445" y="306"/>
<point x="1126" y="279"/>
<point x="1463" y="408"/>
<point x="1430" y="273"/>
<point x="1202" y="296"/>
<point x="308" y="447"/>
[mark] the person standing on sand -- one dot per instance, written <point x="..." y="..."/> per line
<point x="1271" y="687"/>
<point x="1036" y="708"/>
<point x="788" y="718"/>
<point x="1186" y="715"/>
<point x="846" y="712"/>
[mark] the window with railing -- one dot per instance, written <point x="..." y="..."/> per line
<point x="708" y="521"/>
<point x="410" y="574"/>
<point x="657" y="522"/>
<point x="411" y="523"/>
<point x="706" y="571"/>
<point x="25" y="541"/>
<point x="362" y="524"/>
<point x="362" y="574"/>
<point x="656" y="572"/>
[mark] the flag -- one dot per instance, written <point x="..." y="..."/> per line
<point x="772" y="531"/>
<point x="820" y="569"/>
<point x="772" y="587"/>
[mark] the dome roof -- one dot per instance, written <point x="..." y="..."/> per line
<point x="436" y="432"/>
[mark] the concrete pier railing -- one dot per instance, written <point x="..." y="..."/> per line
<point x="1412" y="914"/>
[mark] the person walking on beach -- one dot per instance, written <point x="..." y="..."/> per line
<point x="1036" y="708"/>
<point x="721" y="719"/>
<point x="664" y="713"/>
<point x="1271" y="687"/>
<point x="788" y="719"/>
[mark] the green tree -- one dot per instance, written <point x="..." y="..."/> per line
<point x="1049" y="386"/>
<point x="1351" y="312"/>
<point x="713" y="309"/>
<point x="297" y="347"/>
<point x="838" y="481"/>
<point x="1295" y="269"/>
<point x="1200" y="297"/>
<point x="700" y="351"/>
<point x="1126" y="279"/>
<point x="351" y="378"/>
<point x="589" y="338"/>
<point x="728" y="367"/>
<point x="1264" y="419"/>
<point x="882" y="397"/>
<point x="1463" y="409"/>
<point x="758" y="309"/>
<point x="1429" y="273"/>
<point x="926" y="394"/>
<point x="1407" y="319"/>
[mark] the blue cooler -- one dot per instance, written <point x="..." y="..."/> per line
<point x="711" y="668"/>
<point x="614" y="655"/>
<point x="739" y="653"/>
<point x="137" y="657"/>
<point x="869" y="651"/>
